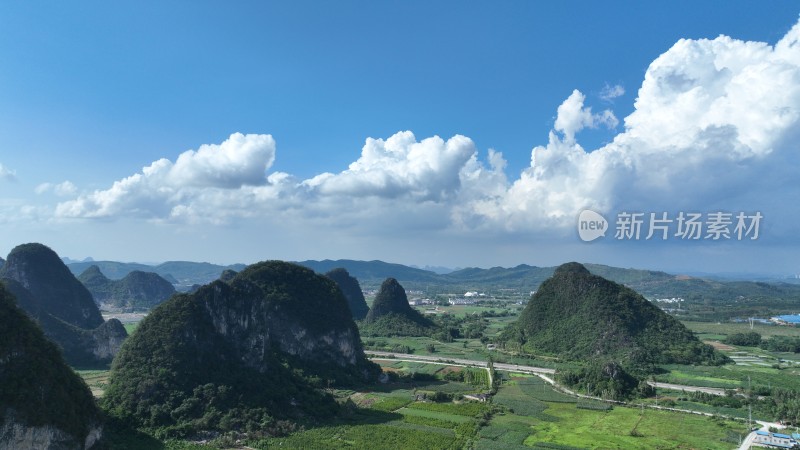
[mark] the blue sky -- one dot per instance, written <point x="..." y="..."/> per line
<point x="92" y="93"/>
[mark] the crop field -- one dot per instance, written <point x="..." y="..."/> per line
<point x="525" y="413"/>
<point x="752" y="366"/>
<point x="390" y="421"/>
<point x="715" y="330"/>
<point x="444" y="416"/>
<point x="373" y="436"/>
<point x="702" y="376"/>
<point x="568" y="424"/>
<point x="630" y="429"/>
<point x="97" y="380"/>
<point x="732" y="376"/>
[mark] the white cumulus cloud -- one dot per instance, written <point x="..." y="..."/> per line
<point x="715" y="124"/>
<point x="400" y="166"/>
<point x="573" y="116"/>
<point x="240" y="161"/>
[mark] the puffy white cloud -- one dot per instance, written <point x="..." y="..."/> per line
<point x="573" y="116"/>
<point x="715" y="125"/>
<point x="397" y="181"/>
<point x="401" y="166"/>
<point x="7" y="174"/>
<point x="238" y="162"/>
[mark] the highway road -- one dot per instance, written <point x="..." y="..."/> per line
<point x="683" y="387"/>
<point x="523" y="369"/>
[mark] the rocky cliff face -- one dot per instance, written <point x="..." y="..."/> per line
<point x="107" y="339"/>
<point x="48" y="292"/>
<point x="306" y="317"/>
<point x="18" y="436"/>
<point x="257" y="327"/>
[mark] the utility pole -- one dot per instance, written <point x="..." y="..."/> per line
<point x="749" y="405"/>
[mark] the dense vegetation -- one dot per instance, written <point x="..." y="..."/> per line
<point x="782" y="344"/>
<point x="226" y="358"/>
<point x="351" y="290"/>
<point x="608" y="380"/>
<point x="391" y="315"/>
<point x="137" y="290"/>
<point x="177" y="374"/>
<point x="615" y="332"/>
<point x="37" y="388"/>
<point x="750" y="339"/>
<point x="580" y="316"/>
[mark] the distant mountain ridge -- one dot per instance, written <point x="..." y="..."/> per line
<point x="747" y="297"/>
<point x="372" y="271"/>
<point x="761" y="296"/>
<point x="184" y="272"/>
<point x="138" y="289"/>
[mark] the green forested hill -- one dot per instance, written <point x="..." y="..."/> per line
<point x="239" y="355"/>
<point x="581" y="316"/>
<point x="391" y="315"/>
<point x="38" y="390"/>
